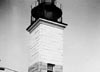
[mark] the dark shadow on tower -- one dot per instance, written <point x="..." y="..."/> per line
<point x="46" y="9"/>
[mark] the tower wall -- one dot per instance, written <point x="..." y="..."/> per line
<point x="46" y="47"/>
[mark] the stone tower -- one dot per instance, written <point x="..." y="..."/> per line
<point x="46" y="31"/>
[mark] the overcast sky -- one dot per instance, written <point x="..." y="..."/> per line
<point x="81" y="36"/>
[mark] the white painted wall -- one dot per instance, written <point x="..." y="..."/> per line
<point x="47" y="44"/>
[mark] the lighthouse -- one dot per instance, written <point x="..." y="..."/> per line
<point x="46" y="37"/>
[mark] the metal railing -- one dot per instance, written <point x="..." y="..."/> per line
<point x="57" y="3"/>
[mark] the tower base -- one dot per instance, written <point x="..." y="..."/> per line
<point x="45" y="67"/>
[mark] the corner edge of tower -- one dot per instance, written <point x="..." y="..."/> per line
<point x="36" y="24"/>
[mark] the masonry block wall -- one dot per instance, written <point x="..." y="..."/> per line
<point x="46" y="46"/>
<point x="43" y="67"/>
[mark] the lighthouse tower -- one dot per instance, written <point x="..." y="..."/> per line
<point x="46" y="33"/>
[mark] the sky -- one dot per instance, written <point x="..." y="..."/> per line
<point x="81" y="36"/>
